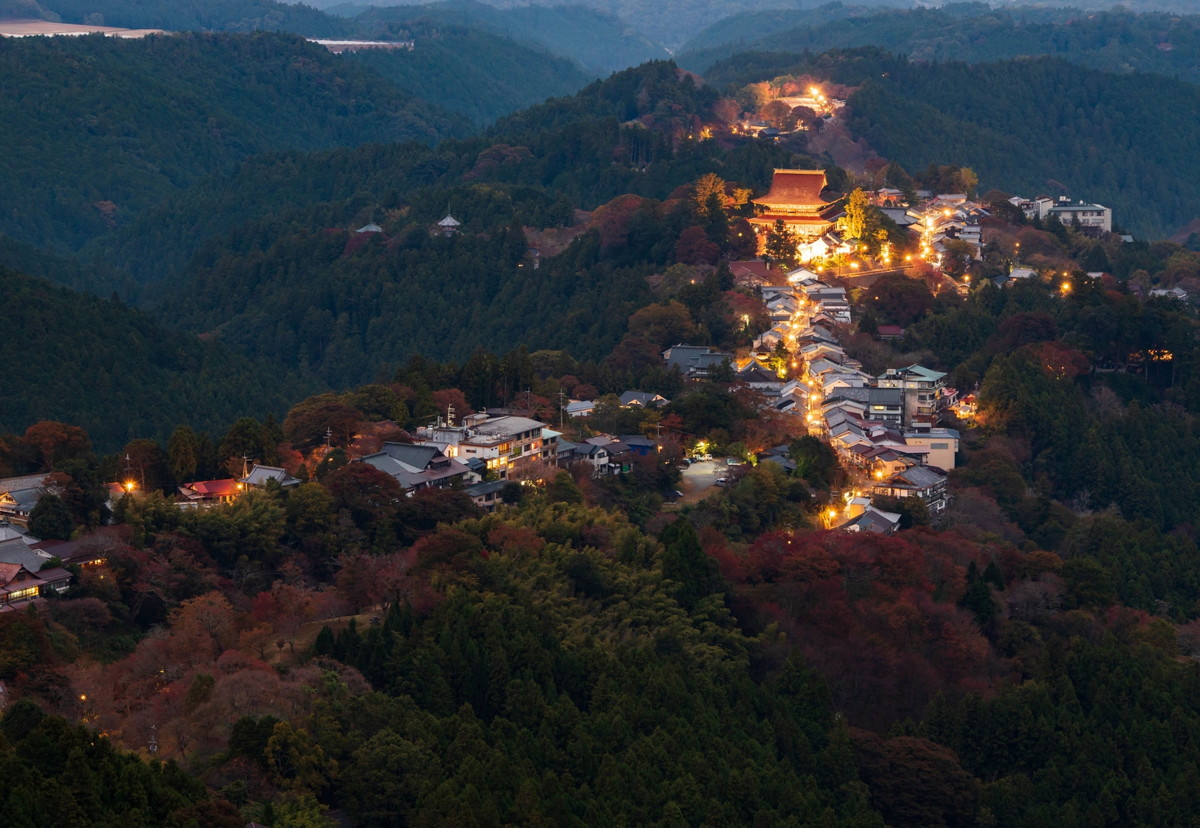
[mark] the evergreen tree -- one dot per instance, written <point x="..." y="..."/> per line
<point x="781" y="244"/>
<point x="50" y="519"/>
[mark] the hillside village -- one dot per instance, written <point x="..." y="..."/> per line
<point x="895" y="434"/>
<point x="696" y="449"/>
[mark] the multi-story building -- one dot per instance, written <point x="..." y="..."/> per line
<point x="506" y="443"/>
<point x="922" y="389"/>
<point x="1094" y="217"/>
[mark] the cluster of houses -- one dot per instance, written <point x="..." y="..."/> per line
<point x="885" y="429"/>
<point x="31" y="568"/>
<point x="944" y="218"/>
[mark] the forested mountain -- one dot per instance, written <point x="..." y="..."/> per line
<point x="95" y="363"/>
<point x="474" y="72"/>
<point x="1029" y="126"/>
<point x="120" y="133"/>
<point x="594" y="39"/>
<point x="293" y="283"/>
<point x="1026" y="124"/>
<point x="60" y="773"/>
<point x="348" y="650"/>
<point x="670" y="22"/>
<point x="94" y="276"/>
<point x="24" y="10"/>
<point x="201" y="15"/>
<point x="566" y="144"/>
<point x="1113" y="41"/>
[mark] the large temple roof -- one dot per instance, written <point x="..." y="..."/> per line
<point x="795" y="188"/>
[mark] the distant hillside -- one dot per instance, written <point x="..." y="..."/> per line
<point x="98" y="364"/>
<point x="1114" y="41"/>
<point x="597" y="41"/>
<point x="1035" y="126"/>
<point x="120" y="133"/>
<point x="24" y="10"/>
<point x="669" y="22"/>
<point x="656" y="88"/>
<point x="575" y="146"/>
<point x="95" y="276"/>
<point x="476" y="73"/>
<point x="266" y="259"/>
<point x="200" y="15"/>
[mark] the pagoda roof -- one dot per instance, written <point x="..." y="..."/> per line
<point x="795" y="187"/>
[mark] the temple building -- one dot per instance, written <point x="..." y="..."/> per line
<point x="795" y="198"/>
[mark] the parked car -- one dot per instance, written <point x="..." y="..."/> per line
<point x="722" y="481"/>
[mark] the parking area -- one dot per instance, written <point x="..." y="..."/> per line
<point x="700" y="478"/>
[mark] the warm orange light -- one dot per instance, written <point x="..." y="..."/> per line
<point x="130" y="485"/>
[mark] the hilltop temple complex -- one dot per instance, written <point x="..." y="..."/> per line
<point x="795" y="198"/>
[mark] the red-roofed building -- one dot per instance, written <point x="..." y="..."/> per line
<point x="755" y="273"/>
<point x="795" y="199"/>
<point x="210" y="492"/>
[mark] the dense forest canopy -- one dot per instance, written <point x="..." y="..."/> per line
<point x="119" y="374"/>
<point x="201" y="15"/>
<point x="1111" y="40"/>
<point x="594" y="39"/>
<point x="474" y="72"/>
<point x="138" y="134"/>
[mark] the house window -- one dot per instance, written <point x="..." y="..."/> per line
<point x="22" y="594"/>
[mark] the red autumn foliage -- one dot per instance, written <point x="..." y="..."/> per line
<point x="877" y="615"/>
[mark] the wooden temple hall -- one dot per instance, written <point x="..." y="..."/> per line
<point x="795" y="198"/>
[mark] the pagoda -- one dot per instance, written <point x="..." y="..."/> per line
<point x="795" y="198"/>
